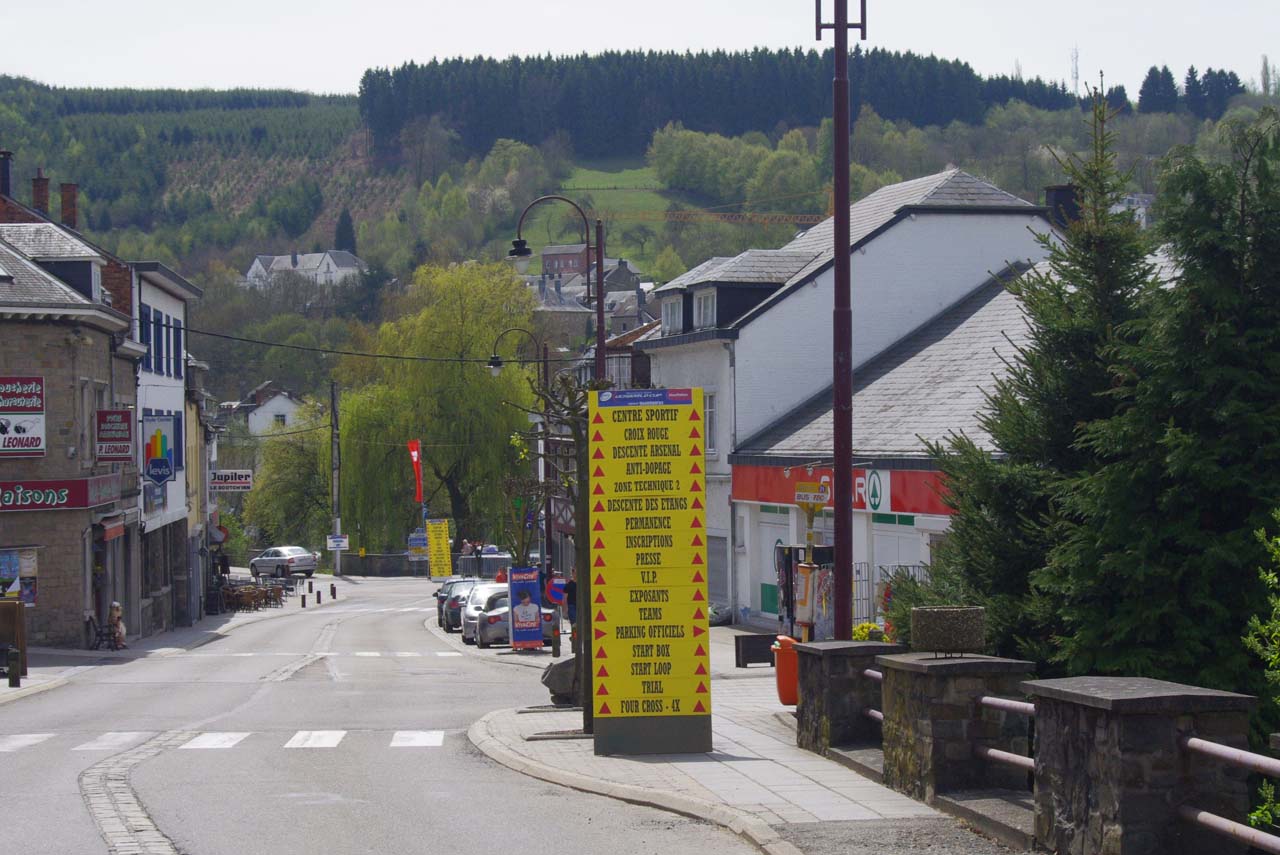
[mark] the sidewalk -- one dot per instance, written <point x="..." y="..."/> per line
<point x="755" y="782"/>
<point x="50" y="667"/>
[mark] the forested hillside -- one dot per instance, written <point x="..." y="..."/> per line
<point x="611" y="103"/>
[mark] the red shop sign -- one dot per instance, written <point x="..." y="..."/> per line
<point x="113" y="436"/>
<point x="908" y="491"/>
<point x="70" y="494"/>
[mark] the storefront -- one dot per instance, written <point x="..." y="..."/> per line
<point x="63" y="553"/>
<point x="898" y="518"/>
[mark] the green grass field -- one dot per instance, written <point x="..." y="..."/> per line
<point x="614" y="188"/>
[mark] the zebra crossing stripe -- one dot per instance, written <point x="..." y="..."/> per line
<point x="368" y="653"/>
<point x="448" y="653"/>
<point x="22" y="740"/>
<point x="114" y="740"/>
<point x="417" y="739"/>
<point x="215" y="740"/>
<point x="316" y="739"/>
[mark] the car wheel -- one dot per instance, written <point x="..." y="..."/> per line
<point x="253" y="569"/>
<point x="481" y="643"/>
<point x="309" y="572"/>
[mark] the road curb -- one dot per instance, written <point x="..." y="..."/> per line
<point x="33" y="690"/>
<point x="457" y="644"/>
<point x="757" y="831"/>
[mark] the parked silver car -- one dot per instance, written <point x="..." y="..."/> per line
<point x="493" y="625"/>
<point x="284" y="561"/>
<point x="478" y="596"/>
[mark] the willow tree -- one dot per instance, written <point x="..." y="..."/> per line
<point x="439" y="393"/>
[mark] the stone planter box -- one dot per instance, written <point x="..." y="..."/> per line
<point x="949" y="629"/>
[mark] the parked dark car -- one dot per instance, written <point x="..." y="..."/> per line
<point x="442" y="595"/>
<point x="453" y="605"/>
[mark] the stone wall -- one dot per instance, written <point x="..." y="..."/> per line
<point x="932" y="722"/>
<point x="1111" y="775"/>
<point x="834" y="692"/>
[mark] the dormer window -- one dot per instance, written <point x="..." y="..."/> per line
<point x="673" y="316"/>
<point x="704" y="309"/>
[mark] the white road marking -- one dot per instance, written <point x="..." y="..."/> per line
<point x="215" y="740"/>
<point x="316" y="739"/>
<point x="448" y="653"/>
<point x="114" y="740"/>
<point x="417" y="739"/>
<point x="368" y="653"/>
<point x="22" y="740"/>
<point x="408" y="653"/>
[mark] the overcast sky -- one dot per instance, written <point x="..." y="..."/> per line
<point x="325" y="45"/>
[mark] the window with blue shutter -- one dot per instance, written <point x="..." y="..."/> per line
<point x="144" y="333"/>
<point x="178" y="356"/>
<point x="157" y="341"/>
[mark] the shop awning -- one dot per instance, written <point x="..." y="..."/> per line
<point x="112" y="527"/>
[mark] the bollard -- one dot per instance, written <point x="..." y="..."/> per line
<point x="317" y="598"/>
<point x="333" y="591"/>
<point x="304" y="601"/>
<point x="14" y="664"/>
<point x="555" y="635"/>
<point x="309" y="588"/>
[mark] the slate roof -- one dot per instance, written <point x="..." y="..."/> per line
<point x="946" y="191"/>
<point x="701" y="273"/>
<point x="23" y="282"/>
<point x="930" y="384"/>
<point x="564" y="249"/>
<point x="46" y="242"/>
<point x="309" y="262"/>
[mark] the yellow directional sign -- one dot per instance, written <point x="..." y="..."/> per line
<point x="441" y="561"/>
<point x="648" y="554"/>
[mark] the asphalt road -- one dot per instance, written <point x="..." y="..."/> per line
<point x="332" y="730"/>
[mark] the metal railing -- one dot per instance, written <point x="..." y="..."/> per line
<point x="870" y="712"/>
<point x="1240" y="758"/>
<point x="995" y="755"/>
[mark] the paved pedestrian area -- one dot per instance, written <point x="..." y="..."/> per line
<point x="755" y="766"/>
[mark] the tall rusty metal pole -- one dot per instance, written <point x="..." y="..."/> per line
<point x="600" y="363"/>
<point x="842" y="324"/>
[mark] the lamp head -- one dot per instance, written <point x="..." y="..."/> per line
<point x="495" y="365"/>
<point x="520" y="255"/>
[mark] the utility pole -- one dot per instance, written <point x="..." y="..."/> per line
<point x="842" y="324"/>
<point x="335" y="455"/>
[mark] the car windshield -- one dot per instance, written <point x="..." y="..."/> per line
<point x="480" y="592"/>
<point x="295" y="550"/>
<point x="497" y="601"/>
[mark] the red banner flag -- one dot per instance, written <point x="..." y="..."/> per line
<point x="415" y="454"/>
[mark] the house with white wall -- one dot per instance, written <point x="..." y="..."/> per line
<point x="755" y="330"/>
<point x="266" y="409"/>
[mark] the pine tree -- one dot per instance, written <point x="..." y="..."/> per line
<point x="1156" y="571"/>
<point x="344" y="235"/>
<point x="1004" y="520"/>
<point x="1193" y="95"/>
<point x="1159" y="92"/>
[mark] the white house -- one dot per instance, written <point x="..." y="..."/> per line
<point x="267" y="408"/>
<point x="755" y="332"/>
<point x="162" y="298"/>
<point x="332" y="267"/>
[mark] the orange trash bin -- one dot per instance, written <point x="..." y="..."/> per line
<point x="786" y="670"/>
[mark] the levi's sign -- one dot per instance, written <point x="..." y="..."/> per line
<point x="231" y="480"/>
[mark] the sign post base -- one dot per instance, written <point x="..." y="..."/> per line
<point x="672" y="734"/>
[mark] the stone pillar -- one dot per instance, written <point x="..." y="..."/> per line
<point x="833" y="692"/>
<point x="1110" y="774"/>
<point x="932" y="722"/>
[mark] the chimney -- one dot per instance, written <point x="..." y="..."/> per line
<point x="68" y="204"/>
<point x="1063" y="204"/>
<point x="295" y="258"/>
<point x="40" y="192"/>
<point x="639" y="297"/>
<point x="542" y="286"/>
<point x="6" y="163"/>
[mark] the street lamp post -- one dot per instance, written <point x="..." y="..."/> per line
<point x="495" y="368"/>
<point x="842" y="322"/>
<point x="521" y="255"/>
